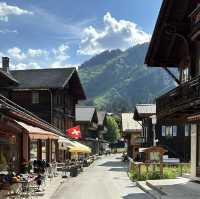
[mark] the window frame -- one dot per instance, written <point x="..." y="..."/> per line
<point x="173" y="133"/>
<point x="163" y="131"/>
<point x="188" y="130"/>
<point x="35" y="97"/>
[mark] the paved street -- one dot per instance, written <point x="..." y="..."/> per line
<point x="105" y="179"/>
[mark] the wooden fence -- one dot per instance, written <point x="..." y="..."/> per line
<point x="159" y="170"/>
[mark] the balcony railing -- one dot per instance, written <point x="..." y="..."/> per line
<point x="180" y="99"/>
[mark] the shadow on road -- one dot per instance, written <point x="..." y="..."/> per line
<point x="120" y="169"/>
<point x="136" y="195"/>
<point x="113" y="164"/>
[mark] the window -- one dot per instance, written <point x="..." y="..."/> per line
<point x="33" y="150"/>
<point x="169" y="131"/>
<point x="163" y="130"/>
<point x="35" y="98"/>
<point x="53" y="150"/>
<point x="146" y="133"/>
<point x="187" y="130"/>
<point x="58" y="99"/>
<point x="174" y="130"/>
<point x="185" y="74"/>
<point x="44" y="150"/>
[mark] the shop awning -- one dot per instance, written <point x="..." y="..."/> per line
<point x="64" y="143"/>
<point x="36" y="133"/>
<point x="152" y="149"/>
<point x="79" y="148"/>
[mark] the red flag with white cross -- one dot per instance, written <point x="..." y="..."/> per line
<point x="74" y="132"/>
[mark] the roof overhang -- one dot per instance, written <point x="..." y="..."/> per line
<point x="167" y="47"/>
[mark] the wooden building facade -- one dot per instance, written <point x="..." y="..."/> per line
<point x="51" y="94"/>
<point x="175" y="44"/>
<point x="87" y="118"/>
<point x="143" y="113"/>
<point x="102" y="130"/>
<point x="172" y="136"/>
<point x="132" y="131"/>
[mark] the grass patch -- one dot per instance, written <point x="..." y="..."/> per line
<point x="119" y="150"/>
<point x="153" y="172"/>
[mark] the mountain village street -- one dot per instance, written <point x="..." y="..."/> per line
<point x="105" y="179"/>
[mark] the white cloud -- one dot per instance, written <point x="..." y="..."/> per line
<point x="38" y="58"/>
<point x="36" y="52"/>
<point x="61" y="55"/>
<point x="5" y="31"/>
<point x="16" y="53"/>
<point x="34" y="65"/>
<point x="8" y="10"/>
<point x="116" y="34"/>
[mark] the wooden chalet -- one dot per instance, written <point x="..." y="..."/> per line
<point x="174" y="137"/>
<point x="24" y="136"/>
<point x="175" y="44"/>
<point x="51" y="94"/>
<point x="143" y="113"/>
<point x="132" y="131"/>
<point x="102" y="130"/>
<point x="86" y="117"/>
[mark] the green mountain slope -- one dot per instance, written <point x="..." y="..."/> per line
<point x="117" y="80"/>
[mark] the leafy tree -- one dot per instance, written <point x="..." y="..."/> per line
<point x="113" y="133"/>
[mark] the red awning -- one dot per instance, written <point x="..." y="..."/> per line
<point x="36" y="133"/>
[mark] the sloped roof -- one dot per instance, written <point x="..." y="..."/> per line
<point x="7" y="79"/>
<point x="43" y="78"/>
<point x="144" y="110"/>
<point x="85" y="113"/>
<point x="101" y="117"/>
<point x="129" y="124"/>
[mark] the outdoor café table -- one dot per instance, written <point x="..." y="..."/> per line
<point x="9" y="190"/>
<point x="27" y="187"/>
<point x="60" y="166"/>
<point x="65" y="170"/>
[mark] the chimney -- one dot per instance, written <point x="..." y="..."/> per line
<point x="5" y="64"/>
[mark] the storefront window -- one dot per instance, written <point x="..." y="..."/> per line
<point x="44" y="150"/>
<point x="53" y="151"/>
<point x="33" y="150"/>
<point x="9" y="152"/>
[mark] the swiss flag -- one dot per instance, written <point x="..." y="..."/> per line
<point x="74" y="132"/>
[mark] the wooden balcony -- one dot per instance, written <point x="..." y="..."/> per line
<point x="181" y="102"/>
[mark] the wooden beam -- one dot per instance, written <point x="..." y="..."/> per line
<point x="172" y="75"/>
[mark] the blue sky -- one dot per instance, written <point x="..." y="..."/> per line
<point x="60" y="33"/>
